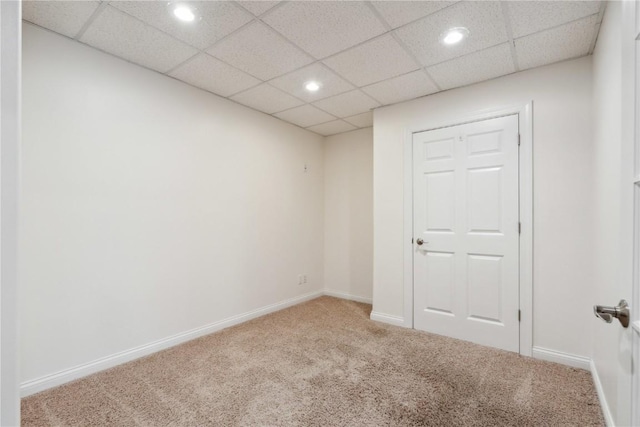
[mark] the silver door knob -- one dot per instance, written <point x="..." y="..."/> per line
<point x="420" y="242"/>
<point x="620" y="312"/>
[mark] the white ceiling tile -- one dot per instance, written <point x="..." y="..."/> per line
<point x="361" y="120"/>
<point x="332" y="128"/>
<point x="564" y="42"/>
<point x="214" y="75"/>
<point x="398" y="13"/>
<point x="294" y="82"/>
<point x="347" y="104"/>
<point x="375" y="60"/>
<point x="218" y="18"/>
<point x="64" y="17"/>
<point x="258" y="7"/>
<point x="475" y="67"/>
<point x="528" y="17"/>
<point x="260" y="51"/>
<point x="305" y="116"/>
<point x="483" y="19"/>
<point x="267" y="99"/>
<point x="401" y="88"/>
<point x="323" y="28"/>
<point x="120" y="34"/>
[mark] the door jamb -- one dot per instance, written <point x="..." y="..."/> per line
<point x="631" y="73"/>
<point x="525" y="126"/>
<point x="10" y="111"/>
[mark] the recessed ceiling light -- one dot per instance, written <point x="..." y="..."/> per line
<point x="454" y="35"/>
<point x="183" y="12"/>
<point x="312" y="86"/>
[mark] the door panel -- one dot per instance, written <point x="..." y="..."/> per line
<point x="439" y="150"/>
<point x="484" y="194"/>
<point x="466" y="278"/>
<point x="440" y="216"/>
<point x="440" y="284"/>
<point x="484" y="287"/>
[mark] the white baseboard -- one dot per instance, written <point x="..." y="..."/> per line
<point x="387" y="318"/>
<point x="344" y="295"/>
<point x="580" y="362"/>
<point x="48" y="381"/>
<point x="572" y="360"/>
<point x="606" y="411"/>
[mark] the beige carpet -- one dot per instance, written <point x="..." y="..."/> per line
<point x="323" y="363"/>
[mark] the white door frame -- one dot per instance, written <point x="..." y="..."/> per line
<point x="525" y="124"/>
<point x="631" y="153"/>
<point x="11" y="42"/>
<point x="635" y="317"/>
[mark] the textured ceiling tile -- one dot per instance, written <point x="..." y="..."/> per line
<point x="267" y="99"/>
<point x="363" y="120"/>
<point x="375" y="60"/>
<point x="330" y="83"/>
<point x="401" y="88"/>
<point x="258" y="7"/>
<point x="568" y="41"/>
<point x="64" y="17"/>
<point x="323" y="28"/>
<point x="213" y="75"/>
<point x="476" y="67"/>
<point x="305" y="116"/>
<point x="332" y="128"/>
<point x="259" y="51"/>
<point x="398" y="13"/>
<point x="219" y="18"/>
<point x="528" y="17"/>
<point x="483" y="19"/>
<point x="347" y="104"/>
<point x="116" y="32"/>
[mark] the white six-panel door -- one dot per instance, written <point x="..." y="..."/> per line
<point x="465" y="207"/>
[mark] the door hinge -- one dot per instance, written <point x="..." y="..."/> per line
<point x="519" y="228"/>
<point x="412" y="240"/>
<point x="518" y="140"/>
<point x="519" y="315"/>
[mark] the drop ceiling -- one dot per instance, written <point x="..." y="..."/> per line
<point x="365" y="54"/>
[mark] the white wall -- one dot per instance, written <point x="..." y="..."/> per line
<point x="612" y="206"/>
<point x="348" y="207"/>
<point x="562" y="153"/>
<point x="150" y="207"/>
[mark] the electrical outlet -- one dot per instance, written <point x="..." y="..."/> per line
<point x="300" y="279"/>
<point x="304" y="278"/>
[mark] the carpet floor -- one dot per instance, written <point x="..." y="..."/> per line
<point x="323" y="363"/>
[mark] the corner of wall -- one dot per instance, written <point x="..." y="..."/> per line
<point x="388" y="318"/>
<point x="606" y="410"/>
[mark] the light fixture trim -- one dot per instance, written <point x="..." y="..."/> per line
<point x="312" y="86"/>
<point x="183" y="12"/>
<point x="454" y="36"/>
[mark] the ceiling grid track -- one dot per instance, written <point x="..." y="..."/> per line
<point x="252" y="14"/>
<point x="259" y="19"/>
<point x="402" y="44"/>
<point x="512" y="45"/>
<point x="204" y="51"/>
<point x="316" y="61"/>
<point x="603" y="7"/>
<point x="102" y="6"/>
